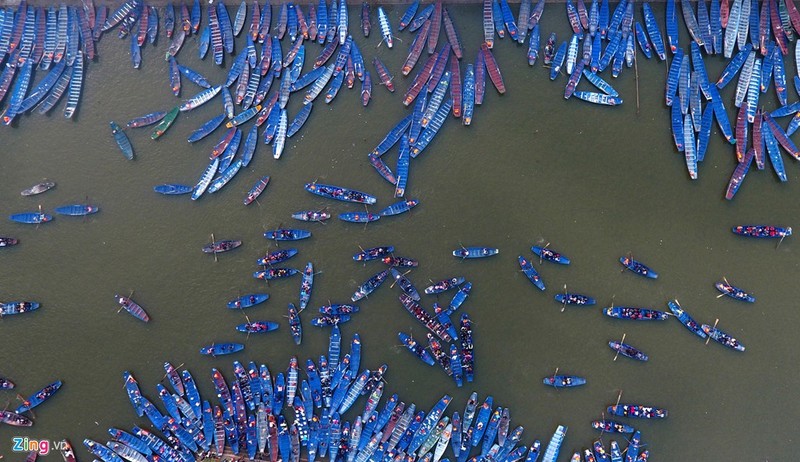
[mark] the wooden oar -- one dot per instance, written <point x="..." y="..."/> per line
<point x="782" y="238"/>
<point x="213" y="247"/>
<point x="564" y="302"/>
<point x="709" y="335"/>
<point x="616" y="355"/>
<point x="122" y="307"/>
<point x="542" y="253"/>
<point x="726" y="282"/>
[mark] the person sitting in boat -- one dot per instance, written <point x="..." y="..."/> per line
<point x="252" y="298"/>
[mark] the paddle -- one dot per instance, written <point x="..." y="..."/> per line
<point x="712" y="329"/>
<point x="788" y="230"/>
<point x="541" y="253"/>
<point x="564" y="302"/>
<point x="214" y="247"/>
<point x="554" y="379"/>
<point x="123" y="304"/>
<point x="726" y="282"/>
<point x="616" y="355"/>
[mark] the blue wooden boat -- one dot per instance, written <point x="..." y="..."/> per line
<point x="414" y="347"/>
<point x="638" y="267"/>
<point x="637" y="411"/>
<point x="219" y="349"/>
<point x="564" y="381"/>
<point x="459" y="297"/>
<point x="306" y="285"/>
<point x="550" y="255"/>
<point x="399" y="207"/>
<point x="145" y="120"/>
<point x="246" y="301"/>
<point x="405" y="284"/>
<point x="610" y="426"/>
<point x="475" y="252"/>
<point x="283" y="234"/>
<point x="627" y="350"/>
<point x="205" y="179"/>
<point x="33" y="218"/>
<point x="275" y="273"/>
<point x="636" y="314"/>
<point x="734" y="292"/>
<point x="340" y="194"/>
<point x="122" y="140"/>
<point x="172" y="189"/>
<point x="256" y="190"/>
<point x="685" y="319"/>
<point x="467" y="347"/>
<point x="77" y="210"/>
<point x="601" y="84"/>
<point x="597" y="98"/>
<point x="531" y="272"/>
<point x="39" y="397"/>
<point x="206" y="129"/>
<point x="338" y="309"/>
<point x="257" y="327"/>
<point x="369" y="285"/>
<point x="327" y="320"/>
<point x="400" y="261"/>
<point x="444" y="285"/>
<point x="97" y="449"/>
<point x="10" y="308"/>
<point x="277" y="256"/>
<point x="295" y="326"/>
<point x="762" y="231"/>
<point x="722" y="338"/>
<point x="574" y="299"/>
<point x="359" y="217"/>
<point x="373" y="253"/>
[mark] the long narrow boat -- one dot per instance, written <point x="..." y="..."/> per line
<point x="340" y="194"/>
<point x="219" y="349"/>
<point x="564" y="381"/>
<point x="132" y="307"/>
<point x="399" y="207"/>
<point x="327" y="320"/>
<point x="685" y="319"/>
<point x="77" y="210"/>
<point x="444" y="285"/>
<point x="762" y="231"/>
<point x="306" y="285"/>
<point x="722" y="338"/>
<point x="400" y="261"/>
<point x="734" y="292"/>
<point x="638" y="267"/>
<point x="14" y="419"/>
<point x="359" y="217"/>
<point x="276" y="257"/>
<point x="275" y="273"/>
<point x="416" y="348"/>
<point x="574" y="299"/>
<point x="637" y="411"/>
<point x="531" y="273"/>
<point x="38" y="188"/>
<point x="257" y="327"/>
<point x="284" y="234"/>
<point x="405" y="284"/>
<point x="627" y="350"/>
<point x="550" y="255"/>
<point x="10" y="308"/>
<point x="39" y="397"/>
<point x="610" y="426"/>
<point x="369" y="285"/>
<point x="635" y="314"/>
<point x="34" y="218"/>
<point x="256" y="190"/>
<point x="122" y="140"/>
<point x="311" y="215"/>
<point x="598" y="98"/>
<point x="493" y="69"/>
<point x="373" y="253"/>
<point x="420" y="314"/>
<point x="246" y="301"/>
<point x="221" y="246"/>
<point x="475" y="252"/>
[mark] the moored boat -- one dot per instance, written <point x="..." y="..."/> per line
<point x="172" y="189"/>
<point x="340" y="194"/>
<point x="256" y="190"/>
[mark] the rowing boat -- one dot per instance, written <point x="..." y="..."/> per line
<point x="257" y="327"/>
<point x="564" y="381"/>
<point x="221" y="246"/>
<point x="306" y="285"/>
<point x="39" y="188"/>
<point x="636" y="314"/>
<point x="8" y="241"/>
<point x="373" y="253"/>
<point x="276" y="257"/>
<point x="295" y="327"/>
<point x="610" y="426"/>
<point x="284" y="234"/>
<point x="638" y="267"/>
<point x="122" y="140"/>
<point x="77" y="210"/>
<point x="637" y="411"/>
<point x="327" y="320"/>
<point x="722" y="338"/>
<point x="359" y="217"/>
<point x="39" y="397"/>
<point x="14" y="419"/>
<point x="219" y="349"/>
<point x="340" y="194"/>
<point x="172" y="189"/>
<point x="275" y="273"/>
<point x="369" y="286"/>
<point x="549" y="255"/>
<point x="311" y="215"/>
<point x="416" y="348"/>
<point x="685" y="319"/>
<point x="246" y="301"/>
<point x="627" y="350"/>
<point x="531" y="272"/>
<point x="10" y="308"/>
<point x="475" y="252"/>
<point x="734" y="292"/>
<point x="399" y="207"/>
<point x="762" y="231"/>
<point x="444" y="285"/>
<point x="132" y="307"/>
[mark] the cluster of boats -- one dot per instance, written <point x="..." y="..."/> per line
<point x="19" y="416"/>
